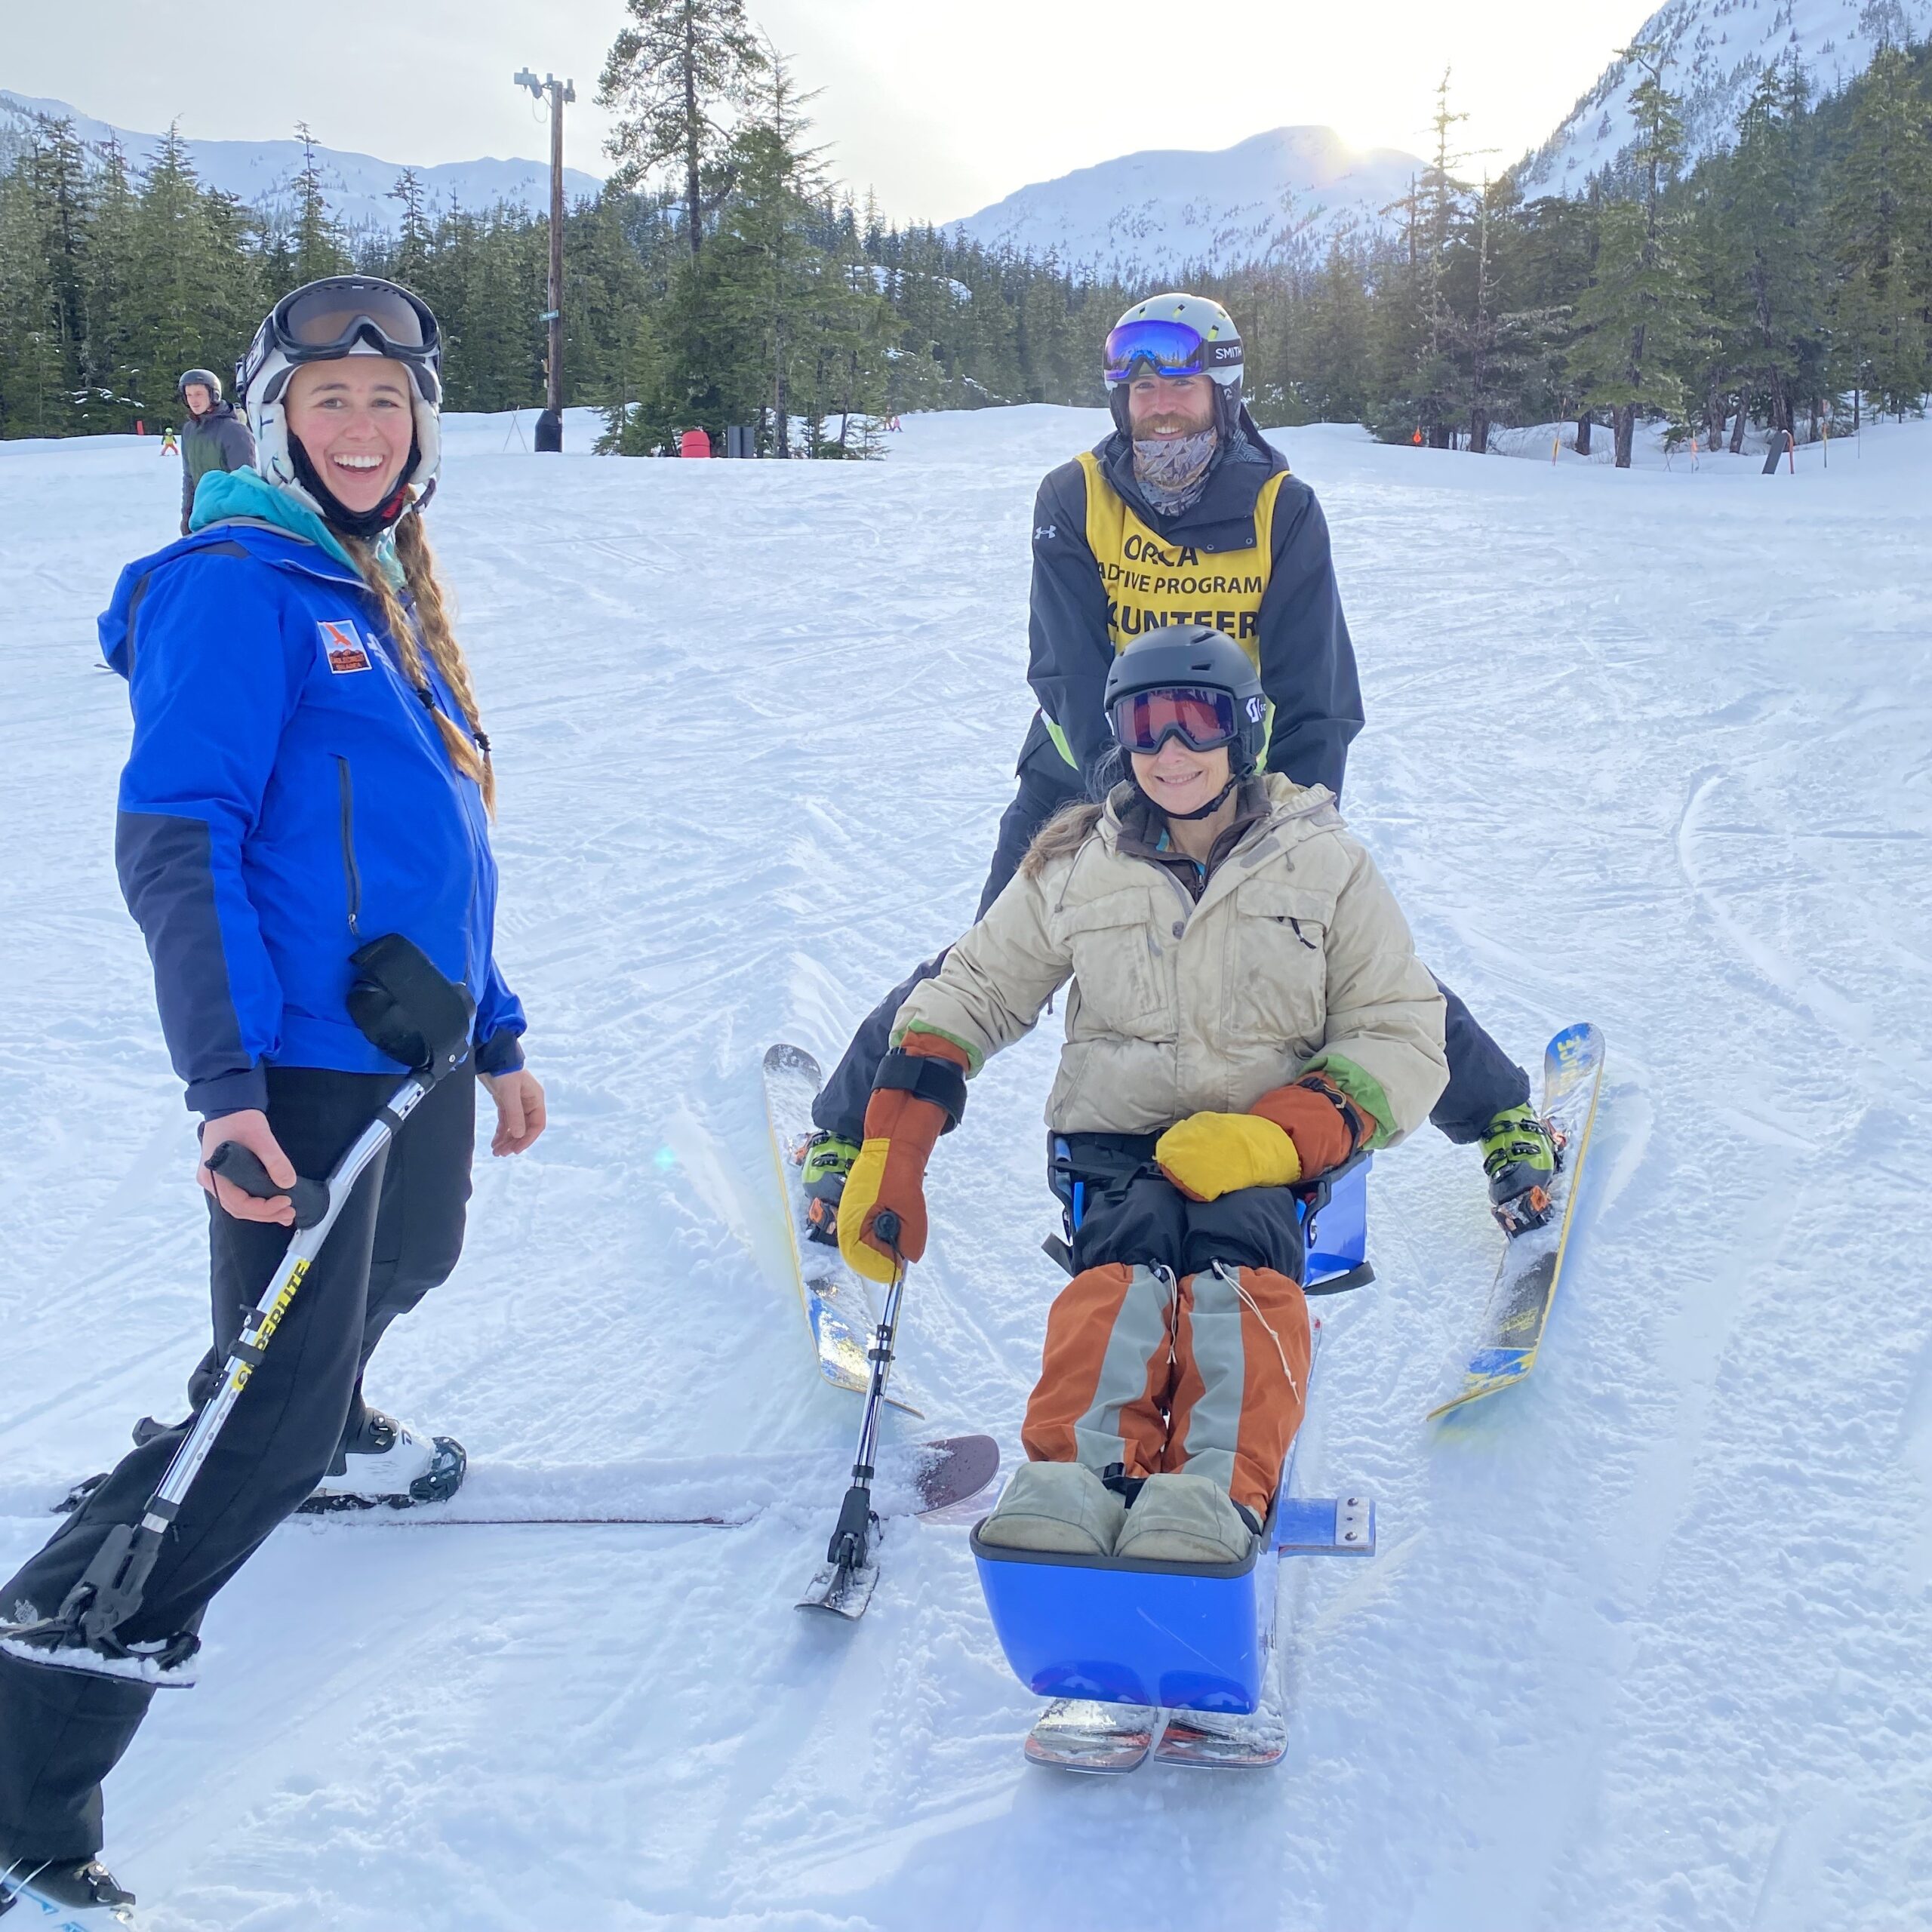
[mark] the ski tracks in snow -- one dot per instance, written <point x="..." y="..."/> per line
<point x="1643" y="1646"/>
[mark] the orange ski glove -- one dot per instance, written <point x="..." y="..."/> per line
<point x="1326" y="1127"/>
<point x="919" y="1093"/>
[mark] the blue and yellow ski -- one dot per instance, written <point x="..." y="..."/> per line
<point x="1532" y="1264"/>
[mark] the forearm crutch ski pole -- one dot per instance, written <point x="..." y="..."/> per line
<point x="408" y="1009"/>
<point x="844" y="1585"/>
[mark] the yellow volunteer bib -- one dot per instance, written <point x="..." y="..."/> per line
<point x="1150" y="581"/>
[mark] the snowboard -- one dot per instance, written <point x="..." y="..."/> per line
<point x="841" y="1311"/>
<point x="1532" y="1265"/>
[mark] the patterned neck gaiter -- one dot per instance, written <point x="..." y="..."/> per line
<point x="1173" y="472"/>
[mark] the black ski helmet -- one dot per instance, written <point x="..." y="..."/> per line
<point x="206" y="378"/>
<point x="1171" y="657"/>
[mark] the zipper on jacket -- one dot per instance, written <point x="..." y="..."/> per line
<point x="351" y="875"/>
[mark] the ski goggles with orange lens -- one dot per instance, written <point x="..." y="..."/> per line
<point x="333" y="317"/>
<point x="1156" y="345"/>
<point x="1144" y="720"/>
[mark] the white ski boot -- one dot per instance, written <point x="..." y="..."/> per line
<point x="385" y="1461"/>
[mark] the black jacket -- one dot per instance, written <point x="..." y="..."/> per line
<point x="220" y="440"/>
<point x="1308" y="664"/>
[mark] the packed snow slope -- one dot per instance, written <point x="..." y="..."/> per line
<point x="1718" y="49"/>
<point x="1280" y="197"/>
<point x="1645" y="1645"/>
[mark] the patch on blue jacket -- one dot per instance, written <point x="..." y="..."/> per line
<point x="343" y="646"/>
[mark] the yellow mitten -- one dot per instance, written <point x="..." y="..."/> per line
<point x="1207" y="1155"/>
<point x="858" y="1209"/>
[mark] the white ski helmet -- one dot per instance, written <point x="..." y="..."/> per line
<point x="343" y="314"/>
<point x="1175" y="334"/>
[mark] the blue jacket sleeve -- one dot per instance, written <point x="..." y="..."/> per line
<point x="499" y="1026"/>
<point x="1069" y="648"/>
<point x="1308" y="661"/>
<point x="212" y="683"/>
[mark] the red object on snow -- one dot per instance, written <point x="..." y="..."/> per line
<point x="140" y="428"/>
<point x="694" y="442"/>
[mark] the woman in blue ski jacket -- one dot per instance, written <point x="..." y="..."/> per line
<point x="308" y="772"/>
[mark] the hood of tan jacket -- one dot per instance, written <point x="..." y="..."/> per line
<point x="1295" y="957"/>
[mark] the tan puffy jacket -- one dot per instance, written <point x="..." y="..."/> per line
<point x="1295" y="957"/>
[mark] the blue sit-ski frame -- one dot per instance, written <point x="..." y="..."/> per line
<point x="1123" y="1631"/>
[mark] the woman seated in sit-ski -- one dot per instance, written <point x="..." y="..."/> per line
<point x="1247" y="1012"/>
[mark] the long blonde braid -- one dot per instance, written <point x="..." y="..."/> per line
<point x="470" y="751"/>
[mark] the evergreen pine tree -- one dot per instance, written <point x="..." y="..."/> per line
<point x="671" y="73"/>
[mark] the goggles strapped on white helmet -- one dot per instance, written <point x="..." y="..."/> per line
<point x="323" y="321"/>
<point x="347" y="315"/>
<point x="1174" y="335"/>
<point x="1158" y="347"/>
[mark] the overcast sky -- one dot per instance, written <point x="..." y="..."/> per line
<point x="941" y="107"/>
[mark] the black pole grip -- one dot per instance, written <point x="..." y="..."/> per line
<point x="886" y="1225"/>
<point x="240" y="1168"/>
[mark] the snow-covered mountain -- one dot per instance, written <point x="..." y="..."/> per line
<point x="358" y="185"/>
<point x="1272" y="197"/>
<point x="1718" y="49"/>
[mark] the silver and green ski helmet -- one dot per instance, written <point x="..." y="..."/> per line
<point x="1175" y="334"/>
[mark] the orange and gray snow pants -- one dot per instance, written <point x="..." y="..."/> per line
<point x="1183" y="1342"/>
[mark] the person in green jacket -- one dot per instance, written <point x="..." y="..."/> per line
<point x="213" y="437"/>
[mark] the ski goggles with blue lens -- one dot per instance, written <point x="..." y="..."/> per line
<point x="1144" y="720"/>
<point x="1156" y="346"/>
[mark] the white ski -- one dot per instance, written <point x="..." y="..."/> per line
<point x="841" y="1310"/>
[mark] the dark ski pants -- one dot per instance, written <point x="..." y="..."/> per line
<point x="418" y="1240"/>
<point x="1483" y="1079"/>
<point x="62" y="1731"/>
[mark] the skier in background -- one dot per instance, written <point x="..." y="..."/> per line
<point x="309" y="771"/>
<point x="1245" y="1024"/>
<point x="213" y="437"/>
<point x="1187" y="514"/>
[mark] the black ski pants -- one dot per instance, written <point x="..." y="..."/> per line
<point x="62" y="1731"/>
<point x="1131" y="1212"/>
<point x="418" y="1242"/>
<point x="1483" y="1079"/>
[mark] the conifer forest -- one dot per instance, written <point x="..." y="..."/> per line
<point x="722" y="276"/>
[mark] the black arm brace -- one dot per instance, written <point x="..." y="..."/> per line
<point x="925" y="1078"/>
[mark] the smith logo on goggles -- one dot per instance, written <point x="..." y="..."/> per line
<point x="1162" y="347"/>
<point x="1144" y="720"/>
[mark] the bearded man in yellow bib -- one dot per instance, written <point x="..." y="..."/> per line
<point x="1186" y="515"/>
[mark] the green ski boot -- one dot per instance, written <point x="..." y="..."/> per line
<point x="826" y="1162"/>
<point x="1521" y="1157"/>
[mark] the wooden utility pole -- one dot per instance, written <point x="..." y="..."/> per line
<point x="550" y="424"/>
